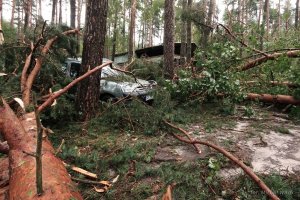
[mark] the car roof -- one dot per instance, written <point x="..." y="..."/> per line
<point x="78" y="60"/>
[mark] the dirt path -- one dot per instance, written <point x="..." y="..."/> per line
<point x="268" y="143"/>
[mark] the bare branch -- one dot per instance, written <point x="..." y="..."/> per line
<point x="57" y="94"/>
<point x="26" y="82"/>
<point x="240" y="41"/>
<point x="186" y="133"/>
<point x="258" y="61"/>
<point x="127" y="72"/>
<point x="246" y="169"/>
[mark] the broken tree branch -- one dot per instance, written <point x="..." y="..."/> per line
<point x="28" y="60"/>
<point x="38" y="153"/>
<point x="89" y="181"/>
<point x="27" y="81"/>
<point x="240" y="41"/>
<point x="258" y="61"/>
<point x="185" y="132"/>
<point x="126" y="72"/>
<point x="230" y="156"/>
<point x="82" y="171"/>
<point x="57" y="94"/>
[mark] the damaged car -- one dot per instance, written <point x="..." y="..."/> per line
<point x="115" y="84"/>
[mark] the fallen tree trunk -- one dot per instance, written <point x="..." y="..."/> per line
<point x="258" y="61"/>
<point x="268" y="98"/>
<point x="4" y="178"/>
<point x="20" y="135"/>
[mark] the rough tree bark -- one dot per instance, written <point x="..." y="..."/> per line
<point x="131" y="41"/>
<point x="40" y="8"/>
<point x="88" y="93"/>
<point x="114" y="40"/>
<point x="28" y="13"/>
<point x="13" y="6"/>
<point x="21" y="137"/>
<point x="189" y="34"/>
<point x="79" y="10"/>
<point x="4" y="178"/>
<point x="285" y="99"/>
<point x="297" y="15"/>
<point x="183" y="34"/>
<point x="206" y="29"/>
<point x="1" y="31"/>
<point x="54" y="11"/>
<point x="264" y="29"/>
<point x="60" y="13"/>
<point x="73" y="13"/>
<point x="169" y="38"/>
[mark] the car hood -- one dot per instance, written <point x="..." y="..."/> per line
<point x="140" y="85"/>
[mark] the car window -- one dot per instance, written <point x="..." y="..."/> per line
<point x="74" y="70"/>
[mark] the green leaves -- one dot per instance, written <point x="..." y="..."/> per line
<point x="213" y="79"/>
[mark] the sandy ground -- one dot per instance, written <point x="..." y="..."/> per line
<point x="268" y="143"/>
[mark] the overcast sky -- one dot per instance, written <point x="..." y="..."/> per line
<point x="47" y="8"/>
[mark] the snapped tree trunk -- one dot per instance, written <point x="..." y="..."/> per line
<point x="20" y="135"/>
<point x="88" y="93"/>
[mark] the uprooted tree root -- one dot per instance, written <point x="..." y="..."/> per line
<point x="230" y="156"/>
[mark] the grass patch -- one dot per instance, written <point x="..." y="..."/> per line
<point x="282" y="130"/>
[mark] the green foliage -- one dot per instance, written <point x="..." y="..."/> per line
<point x="147" y="69"/>
<point x="285" y="188"/>
<point x="282" y="130"/>
<point x="248" y="111"/>
<point x="13" y="55"/>
<point x="215" y="77"/>
<point x="63" y="112"/>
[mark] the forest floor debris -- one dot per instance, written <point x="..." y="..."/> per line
<point x="267" y="141"/>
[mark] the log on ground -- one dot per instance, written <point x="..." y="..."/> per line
<point x="268" y="98"/>
<point x="20" y="135"/>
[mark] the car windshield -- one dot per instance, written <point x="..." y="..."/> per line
<point x="114" y="75"/>
<point x="107" y="72"/>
